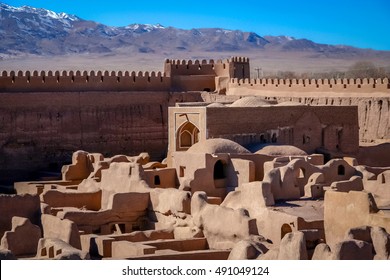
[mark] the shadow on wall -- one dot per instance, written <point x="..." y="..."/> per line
<point x="378" y="155"/>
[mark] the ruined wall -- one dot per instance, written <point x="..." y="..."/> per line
<point x="343" y="211"/>
<point x="371" y="96"/>
<point x="27" y="206"/>
<point x="289" y="124"/>
<point x="41" y="130"/>
<point x="374" y="113"/>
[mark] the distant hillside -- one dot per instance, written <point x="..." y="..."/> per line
<point x="28" y="30"/>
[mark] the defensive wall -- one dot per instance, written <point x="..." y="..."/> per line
<point x="41" y="130"/>
<point x="83" y="81"/>
<point x="178" y="75"/>
<point x="366" y="85"/>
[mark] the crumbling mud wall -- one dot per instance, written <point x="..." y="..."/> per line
<point x="374" y="112"/>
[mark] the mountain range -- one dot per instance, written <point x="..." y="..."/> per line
<point x="28" y="30"/>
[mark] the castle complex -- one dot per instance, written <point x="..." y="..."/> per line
<point x="46" y="116"/>
<point x="197" y="162"/>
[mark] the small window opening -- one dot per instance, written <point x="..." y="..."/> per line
<point x="341" y="170"/>
<point x="182" y="171"/>
<point x="274" y="138"/>
<point x="157" y="181"/>
<point x="302" y="173"/>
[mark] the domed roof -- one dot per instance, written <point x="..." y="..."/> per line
<point x="216" y="104"/>
<point x="250" y="101"/>
<point x="281" y="150"/>
<point x="290" y="103"/>
<point x="217" y="146"/>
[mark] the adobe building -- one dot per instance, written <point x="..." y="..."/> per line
<point x="253" y="122"/>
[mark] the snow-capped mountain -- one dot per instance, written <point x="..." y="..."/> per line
<point x="141" y="28"/>
<point x="27" y="30"/>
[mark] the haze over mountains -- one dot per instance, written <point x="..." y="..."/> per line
<point x="32" y="32"/>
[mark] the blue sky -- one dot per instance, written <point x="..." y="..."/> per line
<point x="364" y="24"/>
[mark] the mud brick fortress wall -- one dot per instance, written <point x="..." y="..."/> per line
<point x="365" y="85"/>
<point x="45" y="116"/>
<point x="83" y="81"/>
<point x="40" y="130"/>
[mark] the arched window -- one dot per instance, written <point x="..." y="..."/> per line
<point x="187" y="135"/>
<point x="185" y="139"/>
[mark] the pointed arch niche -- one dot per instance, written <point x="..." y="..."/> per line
<point x="186" y="136"/>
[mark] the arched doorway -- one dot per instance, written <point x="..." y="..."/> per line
<point x="186" y="136"/>
<point x="219" y="174"/>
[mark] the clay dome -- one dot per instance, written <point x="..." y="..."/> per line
<point x="281" y="150"/>
<point x="251" y="101"/>
<point x="216" y="104"/>
<point x="218" y="146"/>
<point x="290" y="103"/>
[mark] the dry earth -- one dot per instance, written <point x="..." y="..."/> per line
<point x="268" y="61"/>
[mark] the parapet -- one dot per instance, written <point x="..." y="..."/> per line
<point x="320" y="85"/>
<point x="194" y="67"/>
<point x="83" y="81"/>
<point x="240" y="59"/>
<point x="224" y="68"/>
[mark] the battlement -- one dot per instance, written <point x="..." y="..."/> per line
<point x="232" y="67"/>
<point x="314" y="85"/>
<point x="83" y="81"/>
<point x="197" y="67"/>
<point x="239" y="59"/>
<point x="180" y="75"/>
<point x="205" y="61"/>
<point x="190" y="62"/>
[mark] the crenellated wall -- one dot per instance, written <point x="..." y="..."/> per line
<point x="197" y="67"/>
<point x="365" y="85"/>
<point x="178" y="75"/>
<point x="83" y="81"/>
